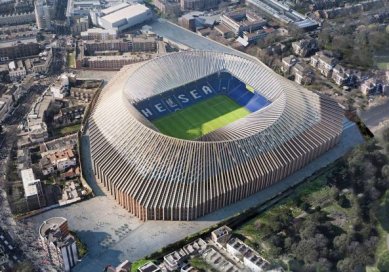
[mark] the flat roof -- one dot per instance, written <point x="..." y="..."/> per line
<point x="125" y="13"/>
<point x="114" y="8"/>
<point x="29" y="181"/>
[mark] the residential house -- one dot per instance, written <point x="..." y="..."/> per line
<point x="59" y="160"/>
<point x="340" y="75"/>
<point x="372" y="86"/>
<point x="305" y="47"/>
<point x="221" y="235"/>
<point x="288" y="63"/>
<point x="302" y="75"/>
<point x="324" y="63"/>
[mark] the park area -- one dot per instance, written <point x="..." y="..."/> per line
<point x="337" y="221"/>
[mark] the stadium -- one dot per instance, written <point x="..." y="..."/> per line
<point x="188" y="133"/>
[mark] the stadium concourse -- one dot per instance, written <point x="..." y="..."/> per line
<point x="188" y="133"/>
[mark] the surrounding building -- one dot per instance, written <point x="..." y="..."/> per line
<point x="113" y="62"/>
<point x="33" y="192"/>
<point x="99" y="34"/>
<point x="59" y="244"/>
<point x="324" y="63"/>
<point x="242" y="20"/>
<point x="18" y="49"/>
<point x="82" y="94"/>
<point x="192" y="171"/>
<point x="43" y="14"/>
<point x="16" y="70"/>
<point x="169" y="7"/>
<point x="302" y="74"/>
<point x="221" y="235"/>
<point x="199" y="4"/>
<point x="249" y="256"/>
<point x="149" y="267"/>
<point x="282" y="13"/>
<point x="305" y="47"/>
<point x="58" y="161"/>
<point x="288" y="63"/>
<point x="125" y="17"/>
<point x="196" y="20"/>
<point x="60" y="87"/>
<point x="17" y="19"/>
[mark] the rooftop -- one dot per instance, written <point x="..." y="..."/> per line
<point x="29" y="182"/>
<point x="126" y="12"/>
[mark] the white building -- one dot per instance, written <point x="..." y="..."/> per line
<point x="16" y="70"/>
<point x="32" y="189"/>
<point x="125" y="17"/>
<point x="60" y="87"/>
<point x="59" y="244"/>
<point x="99" y="34"/>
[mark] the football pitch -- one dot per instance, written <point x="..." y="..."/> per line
<point x="201" y="118"/>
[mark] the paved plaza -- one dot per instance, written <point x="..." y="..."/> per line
<point x="113" y="235"/>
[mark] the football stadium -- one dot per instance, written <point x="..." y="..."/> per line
<point x="188" y="133"/>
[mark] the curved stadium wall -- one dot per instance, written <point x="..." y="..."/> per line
<point x="157" y="176"/>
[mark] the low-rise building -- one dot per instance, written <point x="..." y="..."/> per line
<point x="114" y="62"/>
<point x="69" y="115"/>
<point x="123" y="267"/>
<point x="288" y="63"/>
<point x="175" y="259"/>
<point x="305" y="47"/>
<point x="33" y="192"/>
<point x="221" y="235"/>
<point x="340" y="75"/>
<point x="196" y="20"/>
<point x="371" y="86"/>
<point x="16" y="70"/>
<point x="199" y="4"/>
<point x="125" y="16"/>
<point x="324" y="63"/>
<point x="58" y="161"/>
<point x="59" y="244"/>
<point x="169" y="7"/>
<point x="60" y="87"/>
<point x="149" y="267"/>
<point x="302" y="75"/>
<point x="143" y="43"/>
<point x="249" y="256"/>
<point x="10" y="50"/>
<point x="242" y="20"/>
<point x="82" y="93"/>
<point x="99" y="34"/>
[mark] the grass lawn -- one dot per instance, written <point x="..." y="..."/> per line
<point x="135" y="265"/>
<point x="382" y="61"/>
<point x="67" y="130"/>
<point x="71" y="60"/>
<point x="202" y="118"/>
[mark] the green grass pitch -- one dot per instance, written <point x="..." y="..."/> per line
<point x="201" y="118"/>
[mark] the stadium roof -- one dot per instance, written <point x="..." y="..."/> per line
<point x="126" y="12"/>
<point x="160" y="177"/>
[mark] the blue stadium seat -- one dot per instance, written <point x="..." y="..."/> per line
<point x="184" y="96"/>
<point x="257" y="102"/>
